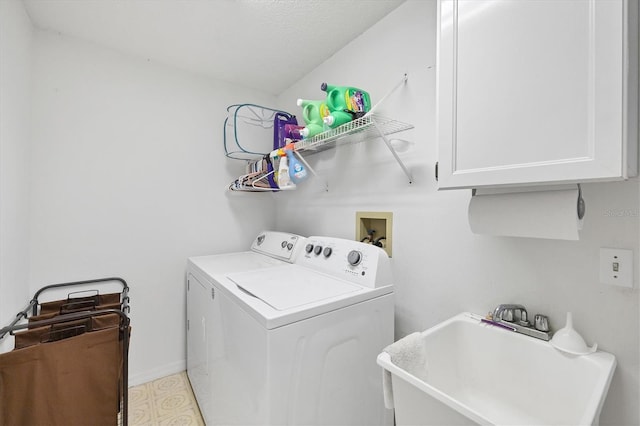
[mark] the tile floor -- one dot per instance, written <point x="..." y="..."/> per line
<point x="166" y="401"/>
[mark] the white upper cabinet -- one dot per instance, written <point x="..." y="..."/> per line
<point x="536" y="92"/>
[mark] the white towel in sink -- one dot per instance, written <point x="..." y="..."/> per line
<point x="408" y="353"/>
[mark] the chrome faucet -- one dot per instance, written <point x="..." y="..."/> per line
<point x="515" y="317"/>
<point x="511" y="313"/>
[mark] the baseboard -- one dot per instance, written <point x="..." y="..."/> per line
<point x="156" y="373"/>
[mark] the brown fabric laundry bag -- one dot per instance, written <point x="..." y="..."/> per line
<point x="63" y="330"/>
<point x="81" y="303"/>
<point x="50" y="315"/>
<point x="74" y="381"/>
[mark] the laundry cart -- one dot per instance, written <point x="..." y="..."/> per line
<point x="69" y="362"/>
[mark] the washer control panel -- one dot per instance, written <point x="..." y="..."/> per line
<point x="353" y="261"/>
<point x="281" y="245"/>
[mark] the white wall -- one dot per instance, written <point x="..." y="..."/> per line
<point x="440" y="267"/>
<point x="15" y="79"/>
<point x="126" y="177"/>
<point x="129" y="179"/>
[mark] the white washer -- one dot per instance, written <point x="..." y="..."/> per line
<point x="296" y="344"/>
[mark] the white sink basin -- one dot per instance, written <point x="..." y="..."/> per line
<point x="463" y="371"/>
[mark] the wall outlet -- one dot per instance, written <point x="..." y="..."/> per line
<point x="616" y="267"/>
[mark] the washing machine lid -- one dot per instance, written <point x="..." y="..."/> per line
<point x="291" y="286"/>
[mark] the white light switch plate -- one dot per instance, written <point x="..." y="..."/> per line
<point x="616" y="267"/>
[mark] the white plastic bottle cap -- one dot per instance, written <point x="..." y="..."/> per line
<point x="328" y="120"/>
<point x="304" y="132"/>
<point x="299" y="102"/>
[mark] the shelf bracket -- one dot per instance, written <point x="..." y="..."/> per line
<point x="396" y="87"/>
<point x="393" y="152"/>
<point x="381" y="133"/>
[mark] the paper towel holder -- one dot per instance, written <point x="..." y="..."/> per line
<point x="581" y="206"/>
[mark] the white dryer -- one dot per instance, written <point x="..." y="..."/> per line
<point x="296" y="344"/>
<point x="268" y="249"/>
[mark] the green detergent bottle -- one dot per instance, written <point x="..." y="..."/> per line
<point x="313" y="114"/>
<point x="338" y="118"/>
<point x="347" y="99"/>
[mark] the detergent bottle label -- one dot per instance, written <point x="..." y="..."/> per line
<point x="324" y="110"/>
<point x="354" y="99"/>
<point x="299" y="172"/>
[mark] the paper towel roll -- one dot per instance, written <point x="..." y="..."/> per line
<point x="536" y="214"/>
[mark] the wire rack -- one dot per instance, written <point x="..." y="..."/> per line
<point x="253" y="125"/>
<point x="359" y="130"/>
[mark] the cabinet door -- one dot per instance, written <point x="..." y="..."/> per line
<point x="531" y="91"/>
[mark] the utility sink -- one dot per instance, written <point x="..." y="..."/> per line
<point x="464" y="371"/>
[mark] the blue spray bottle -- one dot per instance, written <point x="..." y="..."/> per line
<point x="297" y="172"/>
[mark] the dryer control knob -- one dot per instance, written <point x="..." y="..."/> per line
<point x="354" y="257"/>
<point x="327" y="251"/>
<point x="318" y="250"/>
<point x="309" y="248"/>
<point x="283" y="244"/>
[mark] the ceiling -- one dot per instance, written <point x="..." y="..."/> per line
<point x="263" y="44"/>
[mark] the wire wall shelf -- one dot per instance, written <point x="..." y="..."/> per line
<point x="358" y="130"/>
<point x="261" y="168"/>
